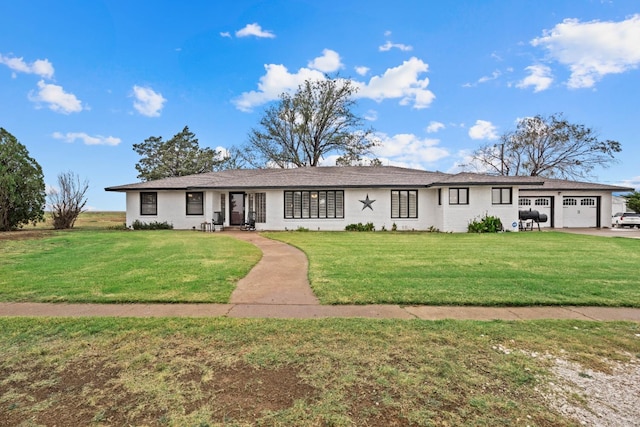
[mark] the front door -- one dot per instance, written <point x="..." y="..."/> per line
<point x="236" y="208"/>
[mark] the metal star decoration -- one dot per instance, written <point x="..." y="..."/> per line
<point x="367" y="202"/>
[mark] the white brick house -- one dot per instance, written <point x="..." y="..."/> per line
<point x="330" y="198"/>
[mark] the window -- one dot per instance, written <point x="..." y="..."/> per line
<point x="148" y="203"/>
<point x="258" y="204"/>
<point x="195" y="203"/>
<point x="524" y="202"/>
<point x="569" y="202"/>
<point x="542" y="202"/>
<point x="587" y="202"/>
<point x="404" y="203"/>
<point x="501" y="196"/>
<point x="314" y="204"/>
<point x="458" y="196"/>
<point x="439" y="196"/>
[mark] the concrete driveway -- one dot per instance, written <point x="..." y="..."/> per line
<point x="631" y="233"/>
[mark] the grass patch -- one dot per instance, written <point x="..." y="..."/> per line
<point x="335" y="372"/>
<point x="124" y="266"/>
<point x="89" y="220"/>
<point x="470" y="269"/>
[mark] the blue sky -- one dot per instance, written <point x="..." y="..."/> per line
<point x="82" y="81"/>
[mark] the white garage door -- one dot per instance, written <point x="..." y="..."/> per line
<point x="580" y="212"/>
<point x="540" y="204"/>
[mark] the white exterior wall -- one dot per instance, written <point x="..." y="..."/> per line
<point x="444" y="217"/>
<point x="172" y="208"/>
<point x="353" y="212"/>
<point x="456" y="218"/>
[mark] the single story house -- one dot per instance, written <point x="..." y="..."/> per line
<point x="330" y="198"/>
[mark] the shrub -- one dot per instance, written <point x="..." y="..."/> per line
<point x="485" y="224"/>
<point x="154" y="225"/>
<point x="360" y="227"/>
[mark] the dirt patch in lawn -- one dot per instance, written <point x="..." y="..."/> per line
<point x="90" y="391"/>
<point x="24" y="234"/>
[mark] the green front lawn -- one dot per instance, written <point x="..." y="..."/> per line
<point x="470" y="269"/>
<point x="124" y="266"/>
<point x="345" y="268"/>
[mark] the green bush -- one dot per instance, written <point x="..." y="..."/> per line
<point x="154" y="225"/>
<point x="485" y="224"/>
<point x="360" y="227"/>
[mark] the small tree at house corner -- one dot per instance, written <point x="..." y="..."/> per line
<point x="303" y="127"/>
<point x="633" y="201"/>
<point x="179" y="156"/>
<point x="547" y="146"/>
<point x="22" y="188"/>
<point x="68" y="200"/>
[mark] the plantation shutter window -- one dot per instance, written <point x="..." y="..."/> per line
<point x="404" y="203"/>
<point x="313" y="204"/>
<point x="261" y="207"/>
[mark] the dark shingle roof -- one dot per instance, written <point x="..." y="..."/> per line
<point x="551" y="184"/>
<point x="311" y="177"/>
<point x="346" y="177"/>
<point x="467" y="179"/>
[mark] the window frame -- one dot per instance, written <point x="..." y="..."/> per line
<point x="409" y="197"/>
<point x="313" y="204"/>
<point x="190" y="205"/>
<point x="501" y="193"/>
<point x="147" y="204"/>
<point x="458" y="190"/>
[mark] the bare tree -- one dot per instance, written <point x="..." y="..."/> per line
<point x="304" y="127"/>
<point x="547" y="146"/>
<point x="68" y="200"/>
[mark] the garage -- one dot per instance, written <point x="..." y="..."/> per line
<point x="542" y="204"/>
<point x="579" y="212"/>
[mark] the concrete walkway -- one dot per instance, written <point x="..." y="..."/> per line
<point x="278" y="287"/>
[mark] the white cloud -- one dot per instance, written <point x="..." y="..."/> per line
<point x="225" y="34"/>
<point x="362" y="70"/>
<point x="56" y="98"/>
<point x="327" y="63"/>
<point x="493" y="76"/>
<point x="276" y="80"/>
<point x="87" y="139"/>
<point x="633" y="182"/>
<point x="593" y="49"/>
<point x="254" y="30"/>
<point x="484" y="79"/>
<point x="540" y="78"/>
<point x="483" y="130"/>
<point x="408" y="149"/>
<point x="40" y="67"/>
<point x="388" y="46"/>
<point x="147" y="102"/>
<point x="435" y="127"/>
<point x="399" y="82"/>
<point x="371" y="115"/>
<point x="466" y="163"/>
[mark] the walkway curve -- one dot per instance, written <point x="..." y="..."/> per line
<point x="280" y="277"/>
